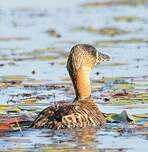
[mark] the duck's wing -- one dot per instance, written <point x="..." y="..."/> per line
<point x="43" y="118"/>
<point x="51" y="117"/>
<point x="77" y="115"/>
<point x="83" y="114"/>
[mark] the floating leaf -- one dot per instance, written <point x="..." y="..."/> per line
<point x="124" y="101"/>
<point x="114" y="3"/>
<point x="9" y="108"/>
<point x="123" y="94"/>
<point x="106" y="79"/>
<point x="55" y="149"/>
<point x="127" y="18"/>
<point x="107" y="43"/>
<point x="14" y="78"/>
<point x="125" y="117"/>
<point x="14" y="122"/>
<point x="13" y="38"/>
<point x="29" y="100"/>
<point x="125" y="97"/>
<point x="11" y="120"/>
<point x="136" y="40"/>
<point x="112" y="31"/>
<point x="4" y="127"/>
<point x="47" y="50"/>
<point x="126" y="86"/>
<point x="46" y="57"/>
<point x="36" y="83"/>
<point x="30" y="107"/>
<point x="142" y="106"/>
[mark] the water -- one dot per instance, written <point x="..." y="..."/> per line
<point x="23" y="30"/>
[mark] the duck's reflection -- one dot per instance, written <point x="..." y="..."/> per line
<point x="86" y="136"/>
<point x="80" y="140"/>
<point x="86" y="140"/>
<point x="71" y="140"/>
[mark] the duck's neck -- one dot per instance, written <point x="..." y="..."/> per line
<point x="81" y="82"/>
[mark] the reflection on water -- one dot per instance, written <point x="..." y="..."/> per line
<point x="72" y="140"/>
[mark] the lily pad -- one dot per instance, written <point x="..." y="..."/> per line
<point x="36" y="82"/>
<point x="29" y="100"/>
<point x="55" y="149"/>
<point x="125" y="117"/>
<point x="127" y="18"/>
<point x="106" y="79"/>
<point x="4" y="127"/>
<point x="111" y="31"/>
<point x="124" y="101"/>
<point x="114" y="3"/>
<point x="47" y="54"/>
<point x="136" y="40"/>
<point x="46" y="57"/>
<point x="13" y="38"/>
<point x="133" y="40"/>
<point x="14" y="122"/>
<point x="46" y="50"/>
<point x="126" y="86"/>
<point x="142" y="106"/>
<point x="19" y="78"/>
<point x="9" y="108"/>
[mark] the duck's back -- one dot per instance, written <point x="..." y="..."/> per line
<point x="79" y="114"/>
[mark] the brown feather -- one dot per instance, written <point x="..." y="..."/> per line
<point x="79" y="114"/>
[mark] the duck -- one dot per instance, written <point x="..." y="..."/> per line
<point x="83" y="111"/>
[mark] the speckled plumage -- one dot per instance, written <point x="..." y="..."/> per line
<point x="79" y="114"/>
<point x="83" y="111"/>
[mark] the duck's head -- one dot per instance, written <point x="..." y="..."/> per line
<point x="84" y="56"/>
<point x="81" y="60"/>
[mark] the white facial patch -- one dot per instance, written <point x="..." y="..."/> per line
<point x="97" y="54"/>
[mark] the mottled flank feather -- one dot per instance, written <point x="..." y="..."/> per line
<point x="79" y="114"/>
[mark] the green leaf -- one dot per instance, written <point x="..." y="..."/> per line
<point x="127" y="18"/>
<point x="14" y="78"/>
<point x="9" y="108"/>
<point x="55" y="149"/>
<point x="111" y="31"/>
<point x="46" y="57"/>
<point x="125" y="117"/>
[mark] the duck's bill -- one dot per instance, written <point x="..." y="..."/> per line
<point x="102" y="57"/>
<point x="105" y="57"/>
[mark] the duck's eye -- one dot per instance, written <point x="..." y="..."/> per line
<point x="100" y="59"/>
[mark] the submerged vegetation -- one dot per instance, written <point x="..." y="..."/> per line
<point x="111" y="31"/>
<point x="111" y="3"/>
